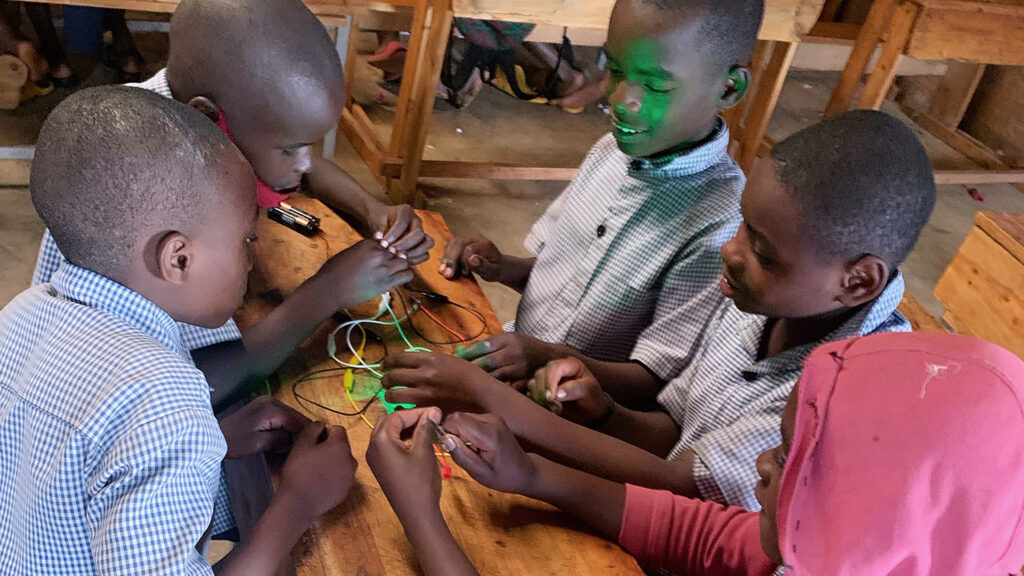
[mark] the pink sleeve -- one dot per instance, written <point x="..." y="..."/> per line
<point x="686" y="536"/>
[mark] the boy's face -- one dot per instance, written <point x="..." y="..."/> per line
<point x="278" y="143"/>
<point x="222" y="255"/>
<point x="661" y="92"/>
<point x="769" y="269"/>
<point x="770" y="465"/>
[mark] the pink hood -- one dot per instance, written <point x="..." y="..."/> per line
<point x="908" y="460"/>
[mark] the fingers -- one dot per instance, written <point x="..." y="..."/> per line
<point x="415" y="396"/>
<point x="397" y="222"/>
<point x="423" y="437"/>
<point x="274" y="440"/>
<point x="475" y="351"/>
<point x="310" y="435"/>
<point x="571" y="391"/>
<point x="412" y="238"/>
<point x="398" y="360"/>
<point x="450" y="259"/>
<point x="392" y="425"/>
<point x="484" y="267"/>
<point x="287" y="418"/>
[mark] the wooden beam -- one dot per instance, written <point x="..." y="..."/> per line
<point x="920" y="319"/>
<point x="839" y="33"/>
<point x="863" y="49"/>
<point x="951" y="99"/>
<point x="769" y="88"/>
<point x="979" y="177"/>
<point x="900" y="28"/>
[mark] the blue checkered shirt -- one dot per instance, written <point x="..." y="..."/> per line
<point x="625" y="254"/>
<point x="50" y="257"/>
<point x="109" y="451"/>
<point x="728" y="404"/>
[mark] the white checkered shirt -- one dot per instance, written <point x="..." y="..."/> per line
<point x="50" y="258"/>
<point x="109" y="450"/>
<point x="728" y="404"/>
<point x="625" y="253"/>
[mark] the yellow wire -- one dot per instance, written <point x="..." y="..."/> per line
<point x="349" y="378"/>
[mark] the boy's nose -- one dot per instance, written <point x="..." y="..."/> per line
<point x="731" y="253"/>
<point x="625" y="98"/>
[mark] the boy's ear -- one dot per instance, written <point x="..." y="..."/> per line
<point x="864" y="280"/>
<point x="172" y="257"/>
<point x="737" y="82"/>
<point x="206" y="106"/>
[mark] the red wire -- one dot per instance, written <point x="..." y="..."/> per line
<point x="327" y="245"/>
<point x="442" y="324"/>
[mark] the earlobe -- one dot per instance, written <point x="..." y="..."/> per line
<point x="864" y="281"/>
<point x="737" y="82"/>
<point x="206" y="106"/>
<point x="173" y="257"/>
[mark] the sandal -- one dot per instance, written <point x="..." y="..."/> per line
<point x="13" y="77"/>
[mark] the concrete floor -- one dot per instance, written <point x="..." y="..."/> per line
<point x="496" y="127"/>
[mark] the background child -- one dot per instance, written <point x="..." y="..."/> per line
<point x="827" y="221"/>
<point x="109" y="450"/>
<point x="268" y="73"/>
<point x="886" y="467"/>
<point x="624" y="254"/>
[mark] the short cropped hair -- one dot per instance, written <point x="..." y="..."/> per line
<point x="728" y="28"/>
<point x="115" y="165"/>
<point x="864" y="184"/>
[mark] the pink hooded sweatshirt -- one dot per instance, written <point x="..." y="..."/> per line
<point x="907" y="460"/>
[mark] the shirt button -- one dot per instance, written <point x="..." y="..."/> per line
<point x="600" y="230"/>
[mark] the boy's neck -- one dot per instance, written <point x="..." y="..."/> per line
<point x="684" y="147"/>
<point x="782" y="334"/>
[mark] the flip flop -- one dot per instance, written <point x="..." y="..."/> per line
<point x="13" y="77"/>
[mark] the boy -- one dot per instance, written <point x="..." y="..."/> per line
<point x="267" y="72"/>
<point x="827" y="221"/>
<point x="622" y="257"/>
<point x="109" y="450"/>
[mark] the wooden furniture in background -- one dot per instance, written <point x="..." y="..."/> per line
<point x="983" y="287"/>
<point x="502" y="534"/>
<point x="972" y="33"/>
<point x="400" y="164"/>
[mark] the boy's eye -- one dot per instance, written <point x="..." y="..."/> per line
<point x="780" y="458"/>
<point x="658" y="89"/>
<point x="763" y="260"/>
<point x="288" y="151"/>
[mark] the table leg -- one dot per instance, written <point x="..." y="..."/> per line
<point x="863" y="49"/>
<point x="341" y="41"/>
<point x="900" y="27"/>
<point x="768" y="91"/>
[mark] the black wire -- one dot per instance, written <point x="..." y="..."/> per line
<point x="310" y="376"/>
<point x="476" y="313"/>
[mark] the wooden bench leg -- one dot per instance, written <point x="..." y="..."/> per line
<point x="867" y="40"/>
<point x="768" y="91"/>
<point x="881" y="79"/>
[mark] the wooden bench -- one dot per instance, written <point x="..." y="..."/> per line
<point x="970" y="33"/>
<point x="399" y="164"/>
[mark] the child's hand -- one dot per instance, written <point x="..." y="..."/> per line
<point x="319" y="471"/>
<point x="408" y="474"/>
<point x="485" y="448"/>
<point x="262" y="425"/>
<point x="463" y="256"/>
<point x="399" y="230"/>
<point x="509" y="357"/>
<point x="569" y="387"/>
<point x="361" y="272"/>
<point x="435" y="379"/>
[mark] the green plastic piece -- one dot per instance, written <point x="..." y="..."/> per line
<point x="388" y="406"/>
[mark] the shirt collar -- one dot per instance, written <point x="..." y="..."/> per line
<point x="686" y="163"/>
<point x="864" y="322"/>
<point x="90" y="289"/>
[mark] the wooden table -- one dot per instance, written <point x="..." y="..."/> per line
<point x="399" y="164"/>
<point x="982" y="289"/>
<point x="502" y="534"/>
<point x="971" y="33"/>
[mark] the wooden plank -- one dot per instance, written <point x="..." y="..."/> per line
<point x="983" y="288"/>
<point x="484" y="170"/>
<point x="1006" y="229"/>
<point x="979" y="177"/>
<point x="863" y="50"/>
<point x="502" y="534"/>
<point x="986" y="32"/>
<point x="318" y="7"/>
<point x="900" y="28"/>
<point x="830" y="12"/>
<point x="770" y="87"/>
<point x="838" y="33"/>
<point x="365" y="142"/>
<point x="920" y="319"/>
<point x="951" y="99"/>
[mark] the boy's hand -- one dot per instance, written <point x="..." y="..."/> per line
<point x="463" y="256"/>
<point x="319" y="471"/>
<point x="509" y="357"/>
<point x="408" y="474"/>
<point x="400" y="231"/>
<point x="361" y="272"/>
<point x="262" y="425"/>
<point x="485" y="448"/>
<point x="568" y="386"/>
<point x="435" y="379"/>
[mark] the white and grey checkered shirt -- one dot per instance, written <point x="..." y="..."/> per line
<point x="110" y="455"/>
<point x="50" y="258"/>
<point x="728" y="404"/>
<point x="625" y="253"/>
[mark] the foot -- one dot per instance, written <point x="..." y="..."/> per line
<point x="474" y="84"/>
<point x="590" y="91"/>
<point x="37" y="66"/>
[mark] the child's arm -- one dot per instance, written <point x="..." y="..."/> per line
<point x="354" y="275"/>
<point x="397" y="226"/>
<point x="465" y="255"/>
<point x="316" y="477"/>
<point x="410" y="479"/>
<point x="455" y="385"/>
